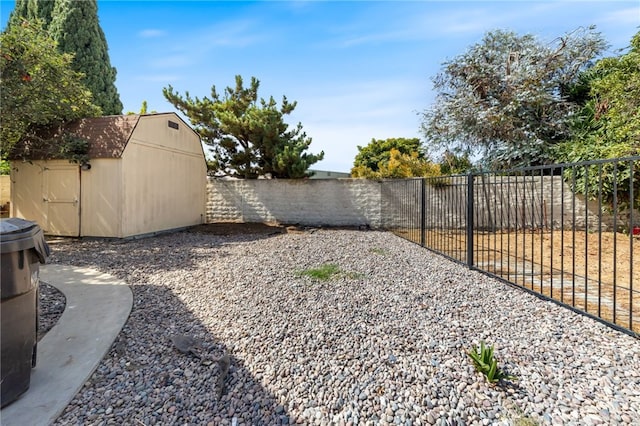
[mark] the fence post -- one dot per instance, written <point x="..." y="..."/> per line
<point x="469" y="220"/>
<point x="423" y="214"/>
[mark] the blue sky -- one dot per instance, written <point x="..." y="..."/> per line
<point x="359" y="70"/>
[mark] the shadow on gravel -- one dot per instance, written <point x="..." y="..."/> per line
<point x="144" y="379"/>
<point x="122" y="255"/>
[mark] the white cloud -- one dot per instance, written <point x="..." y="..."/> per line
<point x="342" y="116"/>
<point x="161" y="78"/>
<point x="236" y="33"/>
<point x="623" y="16"/>
<point x="151" y="33"/>
<point x="172" y="61"/>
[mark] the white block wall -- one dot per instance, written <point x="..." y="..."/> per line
<point x="309" y="202"/>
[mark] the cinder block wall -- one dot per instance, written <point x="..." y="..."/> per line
<point x="330" y="202"/>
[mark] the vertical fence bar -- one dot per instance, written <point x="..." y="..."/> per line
<point x="562" y="253"/>
<point x="631" y="236"/>
<point x="599" y="240"/>
<point x="573" y="239"/>
<point x="469" y="222"/>
<point x="541" y="224"/>
<point x="515" y="228"/>
<point x="615" y="240"/>
<point x="551" y="228"/>
<point x="509" y="228"/>
<point x="423" y="210"/>
<point x="502" y="207"/>
<point x="586" y="237"/>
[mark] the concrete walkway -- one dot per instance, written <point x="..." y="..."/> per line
<point x="97" y="307"/>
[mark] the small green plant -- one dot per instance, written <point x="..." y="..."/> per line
<point x="486" y="363"/>
<point x="328" y="271"/>
<point x="321" y="273"/>
<point x="379" y="251"/>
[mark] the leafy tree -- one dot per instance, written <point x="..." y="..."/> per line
<point x="5" y="167"/>
<point x="506" y="97"/>
<point x="453" y="163"/>
<point x="378" y="153"/>
<point x="608" y="126"/>
<point x="37" y="85"/>
<point x="407" y="165"/>
<point x="74" y="25"/>
<point x="392" y="158"/>
<point x="249" y="138"/>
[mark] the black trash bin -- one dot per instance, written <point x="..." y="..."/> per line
<point x="22" y="249"/>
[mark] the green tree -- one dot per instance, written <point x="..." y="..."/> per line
<point x="5" y="167"/>
<point x="506" y="97"/>
<point x="453" y="164"/>
<point x="37" y="85"/>
<point x="608" y="126"/>
<point x="32" y="10"/>
<point x="75" y="27"/>
<point x="392" y="157"/>
<point x="615" y="96"/>
<point x="248" y="138"/>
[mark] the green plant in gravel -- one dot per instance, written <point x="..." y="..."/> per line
<point x="321" y="273"/>
<point x="328" y="271"/>
<point x="487" y="364"/>
<point x="377" y="250"/>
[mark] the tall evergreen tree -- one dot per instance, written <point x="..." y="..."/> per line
<point x="31" y="10"/>
<point x="75" y="26"/>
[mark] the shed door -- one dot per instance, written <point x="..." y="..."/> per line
<point x="62" y="196"/>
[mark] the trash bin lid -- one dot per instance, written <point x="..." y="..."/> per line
<point x="15" y="225"/>
<point x="18" y="234"/>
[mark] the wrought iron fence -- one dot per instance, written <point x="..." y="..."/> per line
<point x="567" y="232"/>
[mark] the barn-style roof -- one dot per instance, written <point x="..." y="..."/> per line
<point x="107" y="136"/>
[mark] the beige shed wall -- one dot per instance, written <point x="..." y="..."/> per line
<point x="5" y="194"/>
<point x="28" y="191"/>
<point x="164" y="177"/>
<point x="101" y="194"/>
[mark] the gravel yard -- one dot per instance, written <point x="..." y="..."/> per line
<point x="384" y="341"/>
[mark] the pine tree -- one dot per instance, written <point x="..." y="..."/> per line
<point x="248" y="137"/>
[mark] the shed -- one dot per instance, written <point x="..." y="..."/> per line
<point x="146" y="174"/>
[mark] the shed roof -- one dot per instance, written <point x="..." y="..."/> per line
<point x="107" y="136"/>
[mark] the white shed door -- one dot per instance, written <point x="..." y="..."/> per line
<point x="62" y="196"/>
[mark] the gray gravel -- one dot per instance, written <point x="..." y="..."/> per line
<point x="382" y="342"/>
<point x="51" y="305"/>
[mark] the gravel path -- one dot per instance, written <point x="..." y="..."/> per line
<point x="382" y="342"/>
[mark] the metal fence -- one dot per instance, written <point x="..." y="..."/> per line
<point x="567" y="232"/>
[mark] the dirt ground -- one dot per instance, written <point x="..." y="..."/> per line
<point x="264" y="229"/>
<point x="596" y="273"/>
<point x="235" y="228"/>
